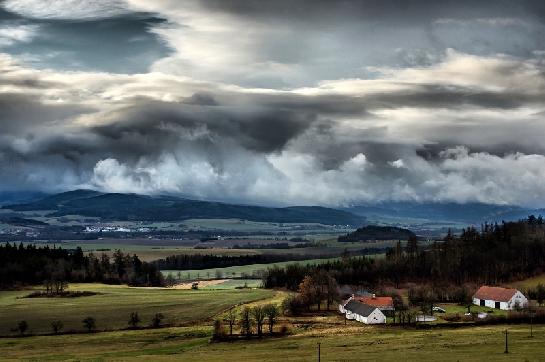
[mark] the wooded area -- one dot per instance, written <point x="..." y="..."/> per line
<point x="29" y="265"/>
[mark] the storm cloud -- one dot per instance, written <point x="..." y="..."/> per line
<point x="280" y="103"/>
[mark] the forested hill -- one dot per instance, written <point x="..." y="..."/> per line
<point x="373" y="232"/>
<point x="132" y="207"/>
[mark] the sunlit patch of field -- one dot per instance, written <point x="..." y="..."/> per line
<point x="114" y="303"/>
<point x="243" y="271"/>
<point x="529" y="283"/>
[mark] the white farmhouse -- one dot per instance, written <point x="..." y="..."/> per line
<point x="499" y="298"/>
<point x="362" y="312"/>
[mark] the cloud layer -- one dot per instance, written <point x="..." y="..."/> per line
<point x="307" y="108"/>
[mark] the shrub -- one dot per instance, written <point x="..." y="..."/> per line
<point x="293" y="305"/>
<point x="284" y="330"/>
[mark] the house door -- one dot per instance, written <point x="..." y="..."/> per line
<point x="482" y="303"/>
<point x="497" y="305"/>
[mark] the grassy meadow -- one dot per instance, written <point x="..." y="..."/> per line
<point x="114" y="303"/>
<point x="338" y="343"/>
<point x="236" y="271"/>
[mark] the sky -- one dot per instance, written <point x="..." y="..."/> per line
<point x="305" y="102"/>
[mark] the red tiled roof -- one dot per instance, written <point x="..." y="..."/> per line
<point x="495" y="293"/>
<point x="379" y="302"/>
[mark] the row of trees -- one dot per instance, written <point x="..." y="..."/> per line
<point x="249" y="320"/>
<point x="89" y="323"/>
<point x="32" y="264"/>
<point x="496" y="254"/>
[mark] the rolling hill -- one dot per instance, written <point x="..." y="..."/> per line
<point x="471" y="213"/>
<point x="132" y="207"/>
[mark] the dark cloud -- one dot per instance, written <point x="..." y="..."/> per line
<point x="320" y="11"/>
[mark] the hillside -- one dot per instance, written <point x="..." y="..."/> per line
<point x="373" y="232"/>
<point x="474" y="213"/>
<point x="132" y="207"/>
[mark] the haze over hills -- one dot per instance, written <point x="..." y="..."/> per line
<point x="472" y="213"/>
<point x="133" y="207"/>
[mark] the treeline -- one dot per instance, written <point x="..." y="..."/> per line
<point x="30" y="265"/>
<point x="187" y="261"/>
<point x="496" y="254"/>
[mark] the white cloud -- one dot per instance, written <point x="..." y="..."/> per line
<point x="67" y="9"/>
<point x="11" y="34"/>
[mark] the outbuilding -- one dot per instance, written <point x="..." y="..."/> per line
<point x="362" y="312"/>
<point x="499" y="298"/>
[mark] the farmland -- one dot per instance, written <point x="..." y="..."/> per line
<point x="113" y="304"/>
<point x="252" y="270"/>
<point x="338" y="343"/>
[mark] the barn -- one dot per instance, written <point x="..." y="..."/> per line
<point x="499" y="298"/>
<point x="363" y="313"/>
<point x="385" y="304"/>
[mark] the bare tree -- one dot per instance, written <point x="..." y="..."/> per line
<point x="134" y="320"/>
<point x="231" y="320"/>
<point x="246" y="321"/>
<point x="258" y="313"/>
<point x="22" y="327"/>
<point x="89" y="323"/>
<point x="157" y="319"/>
<point x="57" y="326"/>
<point x="272" y="312"/>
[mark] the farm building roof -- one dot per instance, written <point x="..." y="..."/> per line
<point x="379" y="302"/>
<point x="495" y="293"/>
<point x="359" y="308"/>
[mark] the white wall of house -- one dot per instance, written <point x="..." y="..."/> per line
<point x="518" y="297"/>
<point x="376" y="317"/>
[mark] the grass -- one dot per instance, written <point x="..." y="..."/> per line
<point x="236" y="283"/>
<point x="111" y="308"/>
<point x="338" y="343"/>
<point x="252" y="270"/>
<point x="529" y="283"/>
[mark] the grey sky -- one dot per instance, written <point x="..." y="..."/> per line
<point x="285" y="102"/>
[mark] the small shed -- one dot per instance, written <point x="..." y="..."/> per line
<point x="499" y="298"/>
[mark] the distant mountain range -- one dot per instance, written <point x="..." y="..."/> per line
<point x="453" y="212"/>
<point x="132" y="207"/>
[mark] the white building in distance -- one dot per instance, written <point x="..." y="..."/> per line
<point x="499" y="298"/>
<point x="362" y="312"/>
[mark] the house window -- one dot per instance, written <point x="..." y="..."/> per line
<point x="497" y="305"/>
<point x="482" y="303"/>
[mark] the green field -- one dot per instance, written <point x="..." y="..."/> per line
<point x="112" y="307"/>
<point x="529" y="283"/>
<point x="338" y="343"/>
<point x="252" y="270"/>
<point x="237" y="283"/>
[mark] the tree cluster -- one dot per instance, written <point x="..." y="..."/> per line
<point x="250" y="320"/>
<point x="498" y="253"/>
<point x="54" y="267"/>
